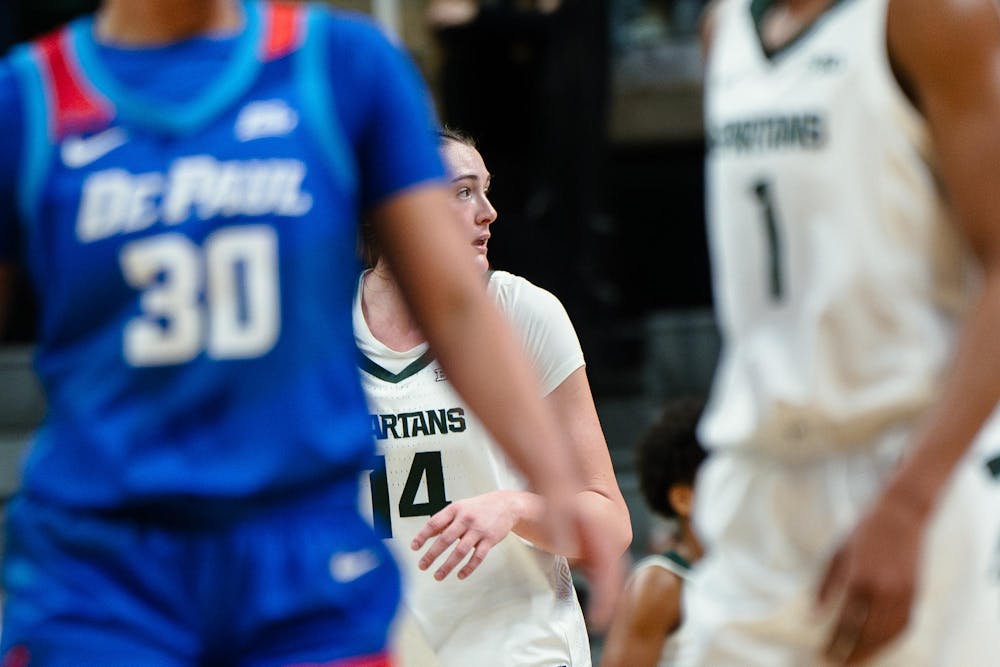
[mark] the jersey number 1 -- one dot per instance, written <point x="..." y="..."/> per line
<point x="426" y="466"/>
<point x="762" y="190"/>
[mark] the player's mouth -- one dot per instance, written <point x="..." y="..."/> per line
<point x="480" y="243"/>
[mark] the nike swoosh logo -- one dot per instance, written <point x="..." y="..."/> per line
<point x="346" y="567"/>
<point x="79" y="152"/>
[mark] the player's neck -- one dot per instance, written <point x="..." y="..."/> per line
<point x="386" y="313"/>
<point x="786" y="19"/>
<point x="153" y="22"/>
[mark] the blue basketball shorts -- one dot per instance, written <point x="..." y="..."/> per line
<point x="290" y="585"/>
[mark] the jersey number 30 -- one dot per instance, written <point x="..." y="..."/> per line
<point x="427" y="467"/>
<point x="221" y="298"/>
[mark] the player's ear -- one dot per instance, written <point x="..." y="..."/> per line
<point x="680" y="497"/>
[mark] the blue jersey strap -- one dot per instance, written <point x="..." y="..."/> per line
<point x="320" y="107"/>
<point x="58" y="101"/>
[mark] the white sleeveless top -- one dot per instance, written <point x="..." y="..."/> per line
<point x="838" y="279"/>
<point x="519" y="608"/>
<point x="676" y="565"/>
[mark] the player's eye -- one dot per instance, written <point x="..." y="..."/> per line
<point x="464" y="193"/>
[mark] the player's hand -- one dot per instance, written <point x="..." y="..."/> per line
<point x="474" y="525"/>
<point x="872" y="579"/>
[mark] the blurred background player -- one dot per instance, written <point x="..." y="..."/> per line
<point x="644" y="631"/>
<point x="191" y="496"/>
<point x="446" y="495"/>
<point x="854" y="156"/>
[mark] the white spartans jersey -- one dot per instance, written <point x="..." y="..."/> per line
<point x="519" y="607"/>
<point x="838" y="279"/>
<point x="675" y="564"/>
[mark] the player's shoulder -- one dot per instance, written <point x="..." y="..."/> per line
<point x="924" y="32"/>
<point x="509" y="288"/>
<point x="653" y="590"/>
<point x="668" y="564"/>
<point x="359" y="53"/>
<point x="349" y="30"/>
<point x="505" y="281"/>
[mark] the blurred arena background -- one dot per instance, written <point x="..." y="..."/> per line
<point x="588" y="112"/>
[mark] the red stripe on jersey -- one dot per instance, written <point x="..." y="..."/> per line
<point x="283" y="29"/>
<point x="376" y="660"/>
<point x="76" y="106"/>
<point x="17" y="656"/>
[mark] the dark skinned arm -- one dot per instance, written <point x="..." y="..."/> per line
<point x="649" y="610"/>
<point x="948" y="53"/>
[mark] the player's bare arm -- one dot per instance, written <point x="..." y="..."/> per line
<point x="452" y="309"/>
<point x="475" y="525"/>
<point x="947" y="53"/>
<point x="649" y="610"/>
<point x="600" y="498"/>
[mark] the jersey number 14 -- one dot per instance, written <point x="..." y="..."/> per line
<point x="426" y="467"/>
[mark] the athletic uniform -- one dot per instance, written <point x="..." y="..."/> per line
<point x="839" y="286"/>
<point x="677" y="565"/>
<point x="188" y="217"/>
<point x="519" y="608"/>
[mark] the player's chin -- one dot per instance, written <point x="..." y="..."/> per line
<point x="482" y="263"/>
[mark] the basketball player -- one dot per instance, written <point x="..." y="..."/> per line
<point x="644" y="631"/>
<point x="181" y="180"/>
<point x="845" y="511"/>
<point x="511" y="601"/>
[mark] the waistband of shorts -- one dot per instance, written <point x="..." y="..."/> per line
<point x="210" y="513"/>
<point x="806" y="442"/>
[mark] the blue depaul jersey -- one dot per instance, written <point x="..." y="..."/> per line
<point x="188" y="215"/>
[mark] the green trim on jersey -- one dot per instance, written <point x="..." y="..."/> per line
<point x="370" y="367"/>
<point x="758" y="8"/>
<point x="677" y="559"/>
<point x="993" y="465"/>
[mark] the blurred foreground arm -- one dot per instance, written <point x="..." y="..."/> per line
<point x="600" y="497"/>
<point x="948" y="53"/>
